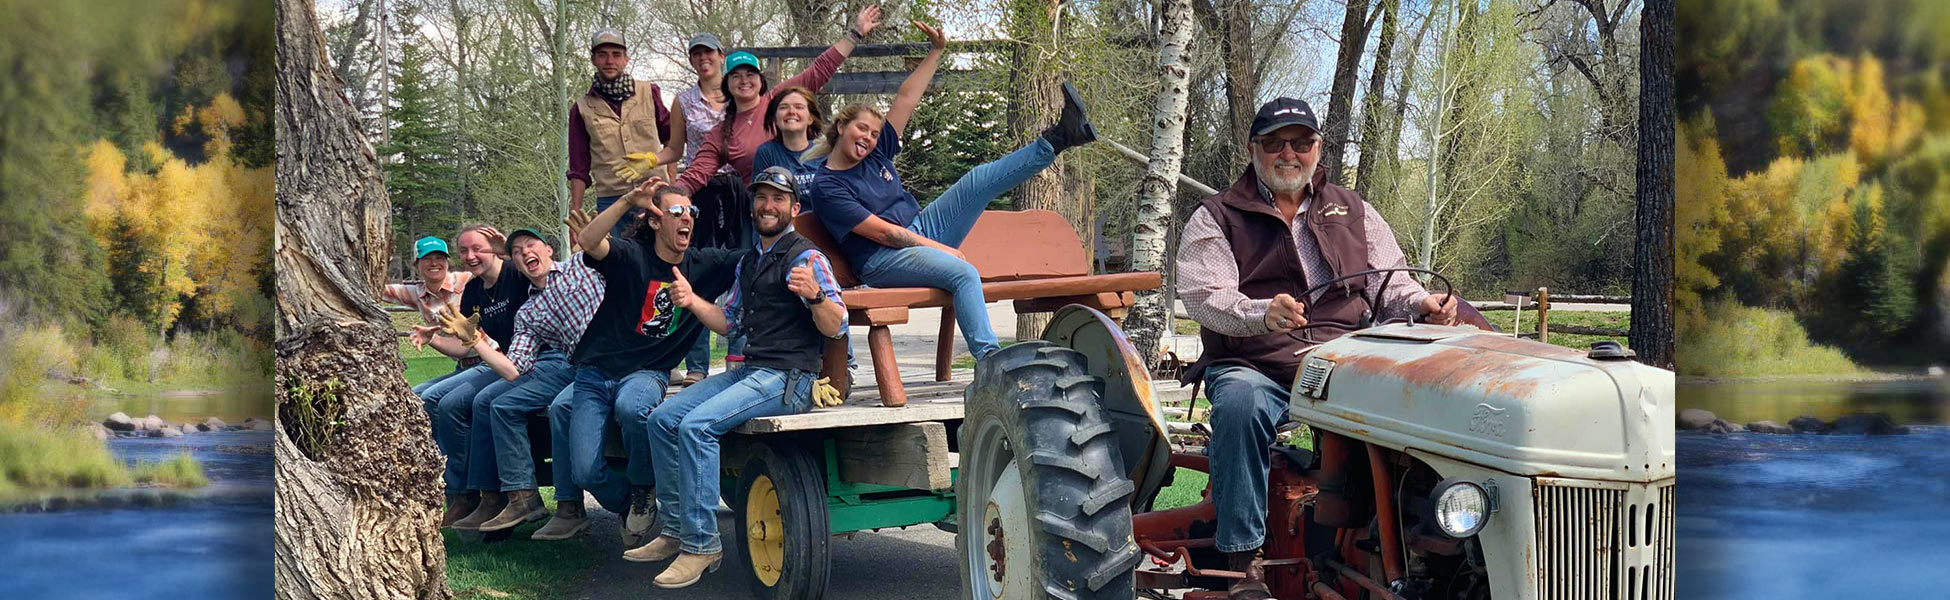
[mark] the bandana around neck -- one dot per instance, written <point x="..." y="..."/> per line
<point x="616" y="90"/>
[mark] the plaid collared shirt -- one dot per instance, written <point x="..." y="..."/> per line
<point x="557" y="314"/>
<point x="431" y="301"/>
<point x="1208" y="274"/>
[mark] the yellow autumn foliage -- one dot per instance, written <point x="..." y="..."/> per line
<point x="207" y="221"/>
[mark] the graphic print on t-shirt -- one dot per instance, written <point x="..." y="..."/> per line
<point x="657" y="318"/>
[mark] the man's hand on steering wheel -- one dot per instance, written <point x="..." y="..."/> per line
<point x="1439" y="309"/>
<point x="1285" y="314"/>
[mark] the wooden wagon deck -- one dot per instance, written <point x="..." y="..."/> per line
<point x="926" y="401"/>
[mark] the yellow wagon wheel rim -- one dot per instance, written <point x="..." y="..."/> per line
<point x="765" y="531"/>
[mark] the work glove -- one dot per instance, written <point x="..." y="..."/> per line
<point x="636" y="166"/>
<point x="467" y="330"/>
<point x="824" y="394"/>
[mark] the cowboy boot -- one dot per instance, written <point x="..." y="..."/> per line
<point x="658" y="550"/>
<point x="490" y="505"/>
<point x="523" y="506"/>
<point x="458" y="507"/>
<point x="569" y="520"/>
<point x="687" y="569"/>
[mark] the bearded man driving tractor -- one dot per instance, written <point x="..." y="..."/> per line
<point x="1269" y="269"/>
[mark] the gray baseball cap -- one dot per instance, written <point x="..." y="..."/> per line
<point x="607" y="35"/>
<point x="708" y="40"/>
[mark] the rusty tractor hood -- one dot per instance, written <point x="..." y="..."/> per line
<point x="1518" y="406"/>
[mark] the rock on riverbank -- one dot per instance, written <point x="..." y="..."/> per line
<point x="1693" y="419"/>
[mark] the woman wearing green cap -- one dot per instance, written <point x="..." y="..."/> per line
<point x="720" y="146"/>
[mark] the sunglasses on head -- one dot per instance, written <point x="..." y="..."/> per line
<point x="683" y="209"/>
<point x="1271" y="145"/>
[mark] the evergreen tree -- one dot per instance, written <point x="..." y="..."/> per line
<point x="419" y="163"/>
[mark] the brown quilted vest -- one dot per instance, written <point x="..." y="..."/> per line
<point x="1263" y="248"/>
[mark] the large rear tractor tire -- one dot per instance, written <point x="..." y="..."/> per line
<point x="780" y="511"/>
<point x="1043" y="503"/>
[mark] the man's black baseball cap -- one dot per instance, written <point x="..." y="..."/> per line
<point x="1282" y="112"/>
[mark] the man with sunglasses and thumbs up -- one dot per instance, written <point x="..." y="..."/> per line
<point x="637" y="336"/>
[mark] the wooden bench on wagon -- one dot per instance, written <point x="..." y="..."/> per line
<point x="1031" y="257"/>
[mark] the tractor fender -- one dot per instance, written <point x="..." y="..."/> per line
<point x="1127" y="399"/>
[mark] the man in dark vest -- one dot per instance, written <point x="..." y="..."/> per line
<point x="788" y="303"/>
<point x="1245" y="258"/>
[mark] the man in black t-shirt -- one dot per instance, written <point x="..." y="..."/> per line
<point x="495" y="292"/>
<point x="623" y="363"/>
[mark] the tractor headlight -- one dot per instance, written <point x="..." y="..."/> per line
<point x="1463" y="507"/>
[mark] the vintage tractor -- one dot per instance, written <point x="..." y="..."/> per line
<point x="1447" y="462"/>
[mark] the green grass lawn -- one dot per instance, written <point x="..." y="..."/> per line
<point x="518" y="567"/>
<point x="1185" y="489"/>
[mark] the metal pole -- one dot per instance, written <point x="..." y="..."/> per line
<point x="1144" y="161"/>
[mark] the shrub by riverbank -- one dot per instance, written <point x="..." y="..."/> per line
<point x="1744" y="341"/>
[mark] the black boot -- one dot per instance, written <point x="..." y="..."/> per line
<point x="1073" y="128"/>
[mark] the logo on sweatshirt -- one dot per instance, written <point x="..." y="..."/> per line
<point x="1334" y="210"/>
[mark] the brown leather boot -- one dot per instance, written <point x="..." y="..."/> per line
<point x="523" y="506"/>
<point x="490" y="505"/>
<point x="1253" y="587"/>
<point x="458" y="507"/>
<point x="569" y="521"/>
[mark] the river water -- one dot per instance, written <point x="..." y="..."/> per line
<point x="1815" y="516"/>
<point x="216" y="544"/>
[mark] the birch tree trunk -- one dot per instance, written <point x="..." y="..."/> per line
<point x="1652" y="287"/>
<point x="358" y="479"/>
<point x="1147" y="321"/>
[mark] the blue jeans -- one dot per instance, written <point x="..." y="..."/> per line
<point x="684" y="436"/>
<point x="633" y="216"/>
<point x="1247" y="407"/>
<point x="948" y="220"/>
<point x="420" y="390"/>
<point x="449" y="401"/>
<point x="578" y="422"/>
<point x="637" y="395"/>
<point x="509" y="405"/>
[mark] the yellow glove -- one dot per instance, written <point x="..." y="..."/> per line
<point x="636" y="166"/>
<point x="824" y="395"/>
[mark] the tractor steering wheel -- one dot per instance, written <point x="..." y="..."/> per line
<point x="1302" y="332"/>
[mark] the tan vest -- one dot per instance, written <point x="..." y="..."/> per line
<point x="612" y="136"/>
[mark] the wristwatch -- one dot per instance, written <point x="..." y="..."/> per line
<point x="855" y="35"/>
<point x="815" y="300"/>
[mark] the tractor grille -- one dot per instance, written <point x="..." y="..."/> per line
<point x="1604" y="541"/>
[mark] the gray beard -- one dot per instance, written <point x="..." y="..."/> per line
<point x="1279" y="186"/>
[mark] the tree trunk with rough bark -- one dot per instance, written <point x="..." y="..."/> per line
<point x="1374" y="146"/>
<point x="1038" y="100"/>
<point x="1147" y="322"/>
<point x="1232" y="24"/>
<point x="358" y="478"/>
<point x="811" y="20"/>
<point x="1652" y="288"/>
<point x="1340" y="100"/>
